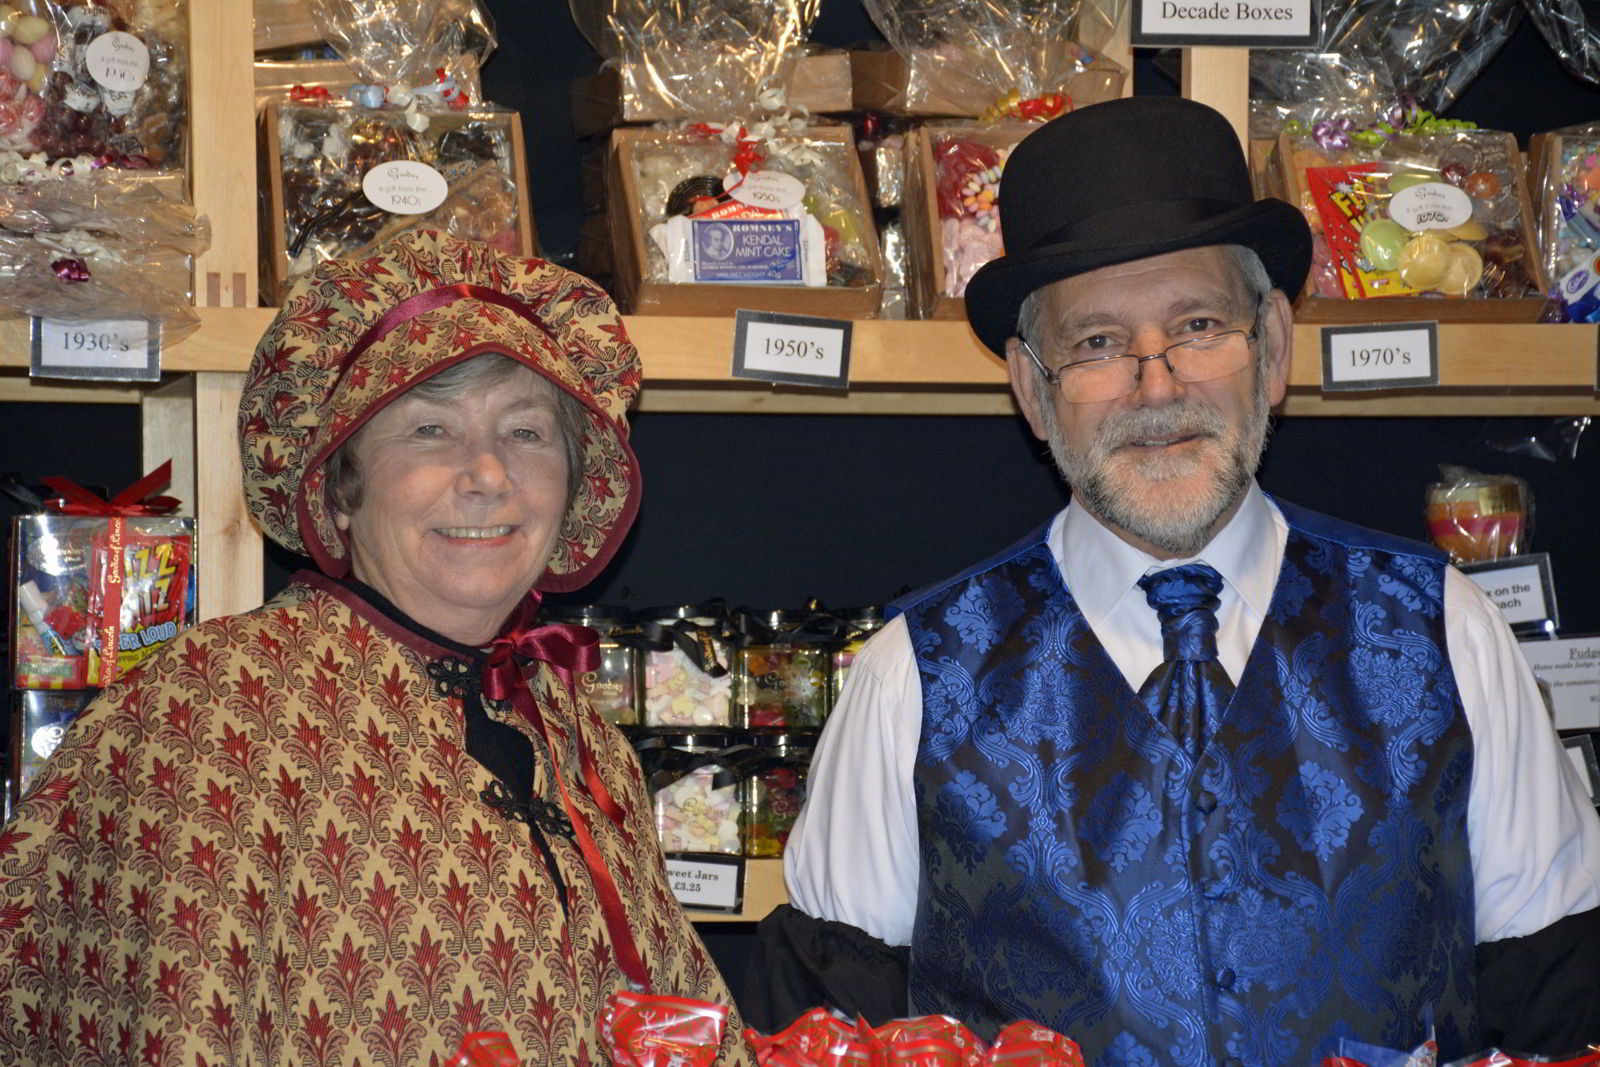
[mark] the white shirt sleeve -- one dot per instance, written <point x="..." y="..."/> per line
<point x="1534" y="837"/>
<point x="852" y="855"/>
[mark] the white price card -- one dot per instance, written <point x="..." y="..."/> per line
<point x="1246" y="23"/>
<point x="706" y="882"/>
<point x="792" y="349"/>
<point x="1390" y="355"/>
<point x="102" y="349"/>
<point x="1521" y="587"/>
<point x="1570" y="666"/>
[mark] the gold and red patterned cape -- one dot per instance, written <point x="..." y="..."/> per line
<point x="267" y="846"/>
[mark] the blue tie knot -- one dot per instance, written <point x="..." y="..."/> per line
<point x="1185" y="600"/>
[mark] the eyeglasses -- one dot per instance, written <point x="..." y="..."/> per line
<point x="1110" y="377"/>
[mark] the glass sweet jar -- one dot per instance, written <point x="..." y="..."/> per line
<point x="694" y="781"/>
<point x="775" y="790"/>
<point x="781" y="675"/>
<point x="859" y="624"/>
<point x="686" y="659"/>
<point x="612" y="688"/>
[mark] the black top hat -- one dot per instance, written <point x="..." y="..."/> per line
<point x="1120" y="181"/>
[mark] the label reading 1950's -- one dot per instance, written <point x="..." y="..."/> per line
<point x="792" y="349"/>
<point x="405" y="187"/>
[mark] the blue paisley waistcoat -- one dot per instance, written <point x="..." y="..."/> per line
<point x="1307" y="878"/>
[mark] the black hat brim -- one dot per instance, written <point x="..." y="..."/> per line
<point x="1275" y="230"/>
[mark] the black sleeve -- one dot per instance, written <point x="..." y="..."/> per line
<point x="801" y="963"/>
<point x="1541" y="993"/>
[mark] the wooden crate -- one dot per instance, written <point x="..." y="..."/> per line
<point x="275" y="241"/>
<point x="1312" y="308"/>
<point x="820" y="84"/>
<point x="275" y="78"/>
<point x="639" y="295"/>
<point x="919" y="214"/>
<point x="879" y="82"/>
<point x="284" y="24"/>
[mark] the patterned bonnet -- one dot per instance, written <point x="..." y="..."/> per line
<point x="354" y="334"/>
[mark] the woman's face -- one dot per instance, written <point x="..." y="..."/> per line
<point x="461" y="503"/>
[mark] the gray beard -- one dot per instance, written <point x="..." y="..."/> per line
<point x="1177" y="524"/>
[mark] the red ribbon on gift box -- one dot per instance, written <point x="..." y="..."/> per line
<point x="137" y="500"/>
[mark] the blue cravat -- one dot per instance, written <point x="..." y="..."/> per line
<point x="1189" y="690"/>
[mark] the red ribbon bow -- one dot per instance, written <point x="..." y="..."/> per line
<point x="315" y="94"/>
<point x="137" y="499"/>
<point x="69" y="269"/>
<point x="570" y="651"/>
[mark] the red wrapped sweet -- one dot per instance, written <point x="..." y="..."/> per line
<point x="816" y="1039"/>
<point x="485" y="1048"/>
<point x="1038" y="1046"/>
<point x="927" y="1041"/>
<point x="644" y="1030"/>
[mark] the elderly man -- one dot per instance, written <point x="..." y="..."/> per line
<point x="1189" y="774"/>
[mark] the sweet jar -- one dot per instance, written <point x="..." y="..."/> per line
<point x="694" y="782"/>
<point x="775" y="790"/>
<point x="781" y="678"/>
<point x="612" y="688"/>
<point x="861" y="624"/>
<point x="685" y="660"/>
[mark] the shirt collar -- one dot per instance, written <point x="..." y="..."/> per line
<point x="1101" y="568"/>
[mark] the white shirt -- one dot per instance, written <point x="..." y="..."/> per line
<point x="1534" y="838"/>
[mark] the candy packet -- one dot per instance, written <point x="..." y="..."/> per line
<point x="409" y="145"/>
<point x="998" y="59"/>
<point x="91" y="244"/>
<point x="644" y="1030"/>
<point x="1479" y="517"/>
<point x="1010" y="66"/>
<point x="740" y="201"/>
<point x="94" y="596"/>
<point x="1423" y="208"/>
<point x="1567" y="165"/>
<point x="1368" y="55"/>
<point x="107" y="80"/>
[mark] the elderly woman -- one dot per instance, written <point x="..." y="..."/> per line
<point x="370" y="817"/>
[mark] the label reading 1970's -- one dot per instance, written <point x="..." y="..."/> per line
<point x="405" y="187"/>
<point x="1391" y="355"/>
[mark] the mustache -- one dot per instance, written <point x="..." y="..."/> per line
<point x="1142" y="424"/>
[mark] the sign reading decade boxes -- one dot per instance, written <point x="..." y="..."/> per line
<point x="791" y="349"/>
<point x="1521" y="588"/>
<point x="1247" y="23"/>
<point x="1391" y="355"/>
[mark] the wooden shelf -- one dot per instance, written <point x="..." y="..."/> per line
<point x="938" y="368"/>
<point x="763" y="891"/>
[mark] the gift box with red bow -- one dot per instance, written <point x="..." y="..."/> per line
<point x="98" y="585"/>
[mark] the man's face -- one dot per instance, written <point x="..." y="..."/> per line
<point x="1166" y="465"/>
